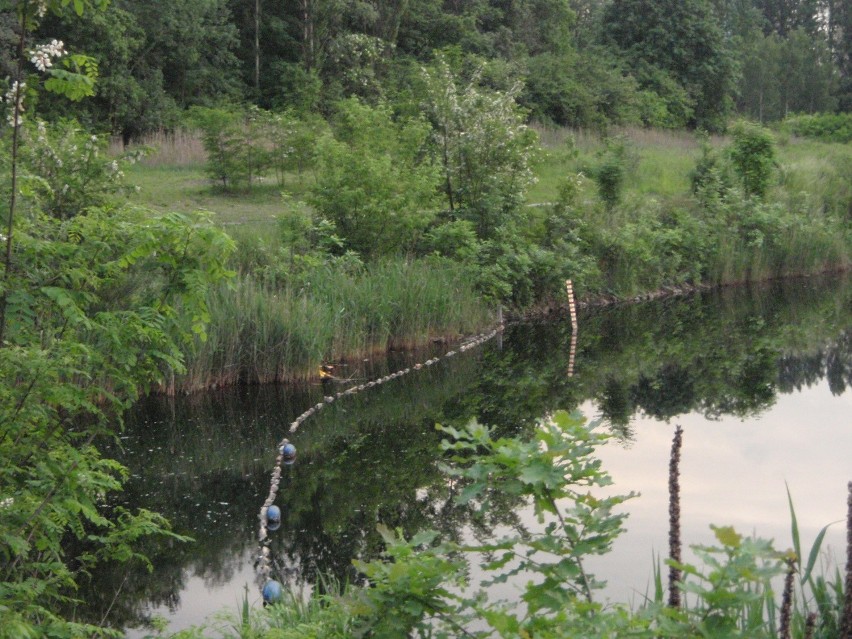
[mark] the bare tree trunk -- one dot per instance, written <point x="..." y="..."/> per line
<point x="10" y="223"/>
<point x="257" y="46"/>
<point x="307" y="34"/>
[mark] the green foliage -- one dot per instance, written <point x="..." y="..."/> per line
<point x="482" y="145"/>
<point x="610" y="172"/>
<point x="733" y="592"/>
<point x="69" y="170"/>
<point x="153" y="60"/>
<point x="374" y="181"/>
<point x="711" y="179"/>
<point x="828" y="127"/>
<point x="553" y="471"/>
<point x="753" y="157"/>
<point x="221" y="132"/>
<point x="94" y="303"/>
<point x="244" y="145"/>
<point x="409" y="589"/>
<point x="681" y="39"/>
<point x="92" y="317"/>
<point x="585" y="89"/>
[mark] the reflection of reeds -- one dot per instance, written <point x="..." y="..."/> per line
<point x="846" y="622"/>
<point x="674" y="520"/>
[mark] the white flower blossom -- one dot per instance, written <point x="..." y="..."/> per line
<point x="42" y="56"/>
<point x="41" y="8"/>
<point x="15" y="98"/>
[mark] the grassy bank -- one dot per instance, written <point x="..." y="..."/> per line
<point x="641" y="211"/>
<point x="262" y="332"/>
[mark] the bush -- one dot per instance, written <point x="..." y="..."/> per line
<point x="610" y="171"/>
<point x="828" y="127"/>
<point x="69" y="170"/>
<point x="753" y="156"/>
<point x="245" y="144"/>
<point x="374" y="181"/>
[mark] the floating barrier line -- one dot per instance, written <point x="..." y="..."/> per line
<point x="572" y="308"/>
<point x="270" y="515"/>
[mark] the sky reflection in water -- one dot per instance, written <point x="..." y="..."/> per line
<point x="733" y="472"/>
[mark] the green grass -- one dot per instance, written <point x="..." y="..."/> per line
<point x="171" y="177"/>
<point x="660" y="161"/>
<point x="260" y="333"/>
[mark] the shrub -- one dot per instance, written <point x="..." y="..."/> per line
<point x="753" y="156"/>
<point x="610" y="171"/>
<point x="373" y="180"/>
<point x="828" y="127"/>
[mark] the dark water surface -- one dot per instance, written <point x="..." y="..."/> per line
<point x="760" y="379"/>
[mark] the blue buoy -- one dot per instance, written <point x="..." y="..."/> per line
<point x="288" y="452"/>
<point x="273" y="515"/>
<point x="271" y="592"/>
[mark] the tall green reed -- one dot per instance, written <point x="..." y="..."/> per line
<point x="266" y="333"/>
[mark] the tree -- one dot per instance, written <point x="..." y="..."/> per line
<point x="374" y="180"/>
<point x="682" y="39"/>
<point x="759" y="94"/>
<point x="752" y="153"/>
<point x="93" y="309"/>
<point x="781" y="76"/>
<point x="154" y="60"/>
<point x="785" y="16"/>
<point x="482" y="145"/>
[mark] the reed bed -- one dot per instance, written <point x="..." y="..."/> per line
<point x="261" y="333"/>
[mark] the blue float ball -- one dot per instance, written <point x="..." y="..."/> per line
<point x="271" y="592"/>
<point x="273" y="515"/>
<point x="288" y="452"/>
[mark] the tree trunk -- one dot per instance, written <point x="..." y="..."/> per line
<point x="257" y="47"/>
<point x="307" y="34"/>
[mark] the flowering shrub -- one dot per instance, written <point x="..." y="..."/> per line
<point x="68" y="170"/>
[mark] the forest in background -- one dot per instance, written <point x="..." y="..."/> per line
<point x="581" y="63"/>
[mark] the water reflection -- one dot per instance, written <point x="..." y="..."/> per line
<point x="204" y="461"/>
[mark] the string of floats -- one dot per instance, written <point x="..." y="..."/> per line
<point x="270" y="514"/>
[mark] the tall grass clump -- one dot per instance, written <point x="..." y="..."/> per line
<point x="180" y="147"/>
<point x="268" y="332"/>
<point x="295" y="616"/>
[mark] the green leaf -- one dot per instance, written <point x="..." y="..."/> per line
<point x="727" y="536"/>
<point x="812" y="556"/>
<point x="387" y="534"/>
<point x="797" y="548"/>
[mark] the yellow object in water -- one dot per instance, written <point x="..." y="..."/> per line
<point x="326" y="371"/>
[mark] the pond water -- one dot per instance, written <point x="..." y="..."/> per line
<point x="760" y="379"/>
